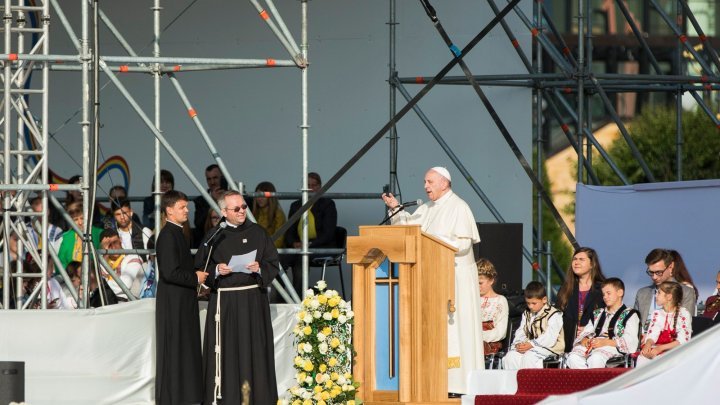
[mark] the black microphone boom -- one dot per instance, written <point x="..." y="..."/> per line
<point x="221" y="226"/>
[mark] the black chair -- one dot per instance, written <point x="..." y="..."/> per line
<point x="700" y="324"/>
<point x="334" y="260"/>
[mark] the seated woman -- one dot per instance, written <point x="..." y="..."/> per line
<point x="268" y="212"/>
<point x="712" y="304"/>
<point x="580" y="293"/>
<point x="670" y="326"/>
<point x="493" y="306"/>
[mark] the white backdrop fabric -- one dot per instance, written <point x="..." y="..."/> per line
<point x="104" y="355"/>
<point x="685" y="375"/>
<point x="624" y="223"/>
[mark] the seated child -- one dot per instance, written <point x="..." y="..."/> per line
<point x="612" y="330"/>
<point x="670" y="326"/>
<point x="539" y="334"/>
<point x="493" y="306"/>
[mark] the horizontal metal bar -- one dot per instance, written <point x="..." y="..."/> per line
<point x="40" y="187"/>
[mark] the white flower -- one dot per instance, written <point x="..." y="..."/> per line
<point x="342" y="319"/>
<point x="314" y="304"/>
<point x="341" y="348"/>
<point x="341" y="381"/>
<point x="308" y="318"/>
<point x="350" y="314"/>
<point x="329" y="293"/>
<point x="307" y="394"/>
<point x="309" y="293"/>
<point x="323" y="348"/>
<point x="321" y="285"/>
<point x="317" y="314"/>
<point x="327" y="316"/>
<point x="308" y="348"/>
<point x="321" y="336"/>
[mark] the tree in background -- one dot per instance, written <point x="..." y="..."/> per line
<point x="653" y="132"/>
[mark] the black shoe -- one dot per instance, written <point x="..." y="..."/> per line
<point x="454" y="395"/>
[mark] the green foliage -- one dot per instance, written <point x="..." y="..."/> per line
<point x="654" y="134"/>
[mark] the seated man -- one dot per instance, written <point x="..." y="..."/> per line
<point x="117" y="194"/>
<point x="660" y="267"/>
<point x="612" y="331"/>
<point x="322" y="221"/>
<point x="134" y="236"/>
<point x="539" y="334"/>
<point x="127" y="267"/>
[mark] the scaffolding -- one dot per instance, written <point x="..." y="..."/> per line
<point x="554" y="72"/>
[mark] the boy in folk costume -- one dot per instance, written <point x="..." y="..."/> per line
<point x="540" y="332"/>
<point x="611" y="332"/>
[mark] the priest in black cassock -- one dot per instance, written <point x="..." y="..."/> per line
<point x="178" y="377"/>
<point x="239" y="296"/>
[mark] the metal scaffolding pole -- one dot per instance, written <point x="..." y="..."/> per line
<point x="304" y="127"/>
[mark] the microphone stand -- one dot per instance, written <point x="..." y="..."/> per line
<point x="210" y="242"/>
<point x="389" y="217"/>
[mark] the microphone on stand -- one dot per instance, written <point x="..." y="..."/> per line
<point x="410" y="204"/>
<point x="221" y="226"/>
<point x="400" y="208"/>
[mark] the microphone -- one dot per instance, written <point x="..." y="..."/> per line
<point x="221" y="226"/>
<point x="411" y="203"/>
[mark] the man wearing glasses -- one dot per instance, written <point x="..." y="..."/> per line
<point x="660" y="268"/>
<point x="242" y="262"/>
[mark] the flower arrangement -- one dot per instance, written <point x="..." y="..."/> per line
<point x="325" y="353"/>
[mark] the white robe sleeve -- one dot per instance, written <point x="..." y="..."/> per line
<point x="629" y="341"/>
<point x="655" y="325"/>
<point x="588" y="331"/>
<point x="520" y="336"/>
<point x="405" y="218"/>
<point x="684" y="326"/>
<point x="550" y="336"/>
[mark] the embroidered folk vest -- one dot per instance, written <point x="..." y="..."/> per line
<point x="539" y="325"/>
<point x="617" y="322"/>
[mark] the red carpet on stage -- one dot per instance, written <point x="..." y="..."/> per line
<point x="535" y="385"/>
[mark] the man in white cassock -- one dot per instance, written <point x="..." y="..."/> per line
<point x="447" y="217"/>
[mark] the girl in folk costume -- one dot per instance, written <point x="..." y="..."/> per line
<point x="493" y="308"/>
<point x="612" y="331"/>
<point x="670" y="326"/>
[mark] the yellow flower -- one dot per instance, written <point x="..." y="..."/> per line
<point x="317" y="389"/>
<point x="335" y="342"/>
<point x="297" y="402"/>
<point x="309" y="402"/>
<point x="322" y="368"/>
<point x="307" y="330"/>
<point x="334" y="301"/>
<point x="335" y="313"/>
<point x="327" y="331"/>
<point x="350" y="402"/>
<point x="321" y="402"/>
<point x="347" y="375"/>
<point x="301" y="315"/>
<point x="325" y="396"/>
<point x="308" y="366"/>
<point x="322" y="299"/>
<point x="334" y="376"/>
<point x="332" y="362"/>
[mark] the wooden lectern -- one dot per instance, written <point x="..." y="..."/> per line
<point x="426" y="285"/>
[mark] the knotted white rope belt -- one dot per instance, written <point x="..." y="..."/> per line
<point x="218" y="359"/>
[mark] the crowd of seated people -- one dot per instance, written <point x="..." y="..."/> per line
<point x="116" y="226"/>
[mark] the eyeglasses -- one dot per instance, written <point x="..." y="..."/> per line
<point x="657" y="273"/>
<point x="238" y="208"/>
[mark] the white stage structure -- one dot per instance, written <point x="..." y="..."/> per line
<point x="106" y="355"/>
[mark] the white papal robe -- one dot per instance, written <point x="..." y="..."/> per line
<point x="450" y="219"/>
